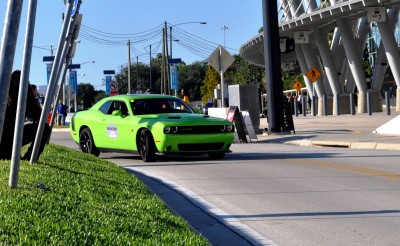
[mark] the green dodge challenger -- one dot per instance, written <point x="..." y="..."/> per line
<point x="150" y="125"/>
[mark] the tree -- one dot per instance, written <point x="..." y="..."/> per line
<point x="140" y="81"/>
<point x="99" y="95"/>
<point x="366" y="64"/>
<point x="211" y="81"/>
<point x="87" y="95"/>
<point x="243" y="72"/>
<point x="191" y="78"/>
<point x="289" y="78"/>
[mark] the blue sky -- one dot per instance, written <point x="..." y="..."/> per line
<point x="134" y="19"/>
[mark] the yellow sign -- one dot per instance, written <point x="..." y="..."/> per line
<point x="297" y="86"/>
<point x="313" y="74"/>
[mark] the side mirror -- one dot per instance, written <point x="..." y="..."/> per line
<point x="116" y="113"/>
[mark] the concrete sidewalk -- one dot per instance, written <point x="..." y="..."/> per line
<point x="349" y="131"/>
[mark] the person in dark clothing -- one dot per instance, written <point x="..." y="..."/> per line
<point x="33" y="110"/>
<point x="61" y="113"/>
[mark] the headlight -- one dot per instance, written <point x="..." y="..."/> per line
<point x="170" y="129"/>
<point x="222" y="128"/>
<point x="229" y="128"/>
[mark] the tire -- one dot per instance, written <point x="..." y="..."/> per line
<point x="86" y="142"/>
<point x="147" y="147"/>
<point x="216" y="156"/>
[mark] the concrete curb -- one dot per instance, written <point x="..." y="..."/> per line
<point x="60" y="130"/>
<point x="345" y="144"/>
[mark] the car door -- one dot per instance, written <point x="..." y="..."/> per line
<point x="116" y="132"/>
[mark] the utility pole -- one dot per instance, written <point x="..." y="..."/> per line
<point x="129" y="66"/>
<point x="167" y="86"/>
<point x="163" y="63"/>
<point x="122" y="81"/>
<point x="137" y="73"/>
<point x="170" y="40"/>
<point x="150" y="68"/>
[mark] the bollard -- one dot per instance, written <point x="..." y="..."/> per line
<point x="387" y="98"/>
<point x="324" y="104"/>
<point x="314" y="113"/>
<point x="369" y="108"/>
<point x="295" y="107"/>
<point x="352" y="108"/>
<point x="303" y="105"/>
<point x="337" y="103"/>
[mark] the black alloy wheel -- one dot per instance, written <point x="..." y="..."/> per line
<point x="86" y="142"/>
<point x="147" y="146"/>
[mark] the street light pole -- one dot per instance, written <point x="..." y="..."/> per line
<point x="69" y="87"/>
<point x="170" y="30"/>
<point x="170" y="38"/>
<point x="224" y="28"/>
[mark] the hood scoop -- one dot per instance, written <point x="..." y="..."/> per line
<point x="174" y="117"/>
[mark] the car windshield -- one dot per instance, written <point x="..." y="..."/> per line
<point x="159" y="106"/>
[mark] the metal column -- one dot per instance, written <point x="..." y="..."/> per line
<point x="272" y="66"/>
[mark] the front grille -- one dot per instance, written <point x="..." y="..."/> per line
<point x="200" y="147"/>
<point x="199" y="129"/>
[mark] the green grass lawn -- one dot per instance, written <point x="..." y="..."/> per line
<point x="84" y="200"/>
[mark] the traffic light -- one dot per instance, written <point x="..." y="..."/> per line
<point x="290" y="45"/>
<point x="286" y="44"/>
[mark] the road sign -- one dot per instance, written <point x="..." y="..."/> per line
<point x="226" y="59"/>
<point x="297" y="85"/>
<point x="108" y="71"/>
<point x="113" y="86"/>
<point x="301" y="37"/>
<point x="287" y="66"/>
<point x="376" y="14"/>
<point x="313" y="74"/>
<point x="48" y="58"/>
<point x="113" y="93"/>
<point x="74" y="66"/>
<point x="174" y="60"/>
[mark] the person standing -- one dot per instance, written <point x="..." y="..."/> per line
<point x="33" y="110"/>
<point x="300" y="103"/>
<point x="61" y="113"/>
<point x="184" y="97"/>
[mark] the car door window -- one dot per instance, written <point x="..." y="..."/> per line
<point x="105" y="107"/>
<point x="124" y="109"/>
<point x="118" y="105"/>
<point x="159" y="106"/>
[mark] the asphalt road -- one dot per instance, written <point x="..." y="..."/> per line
<point x="268" y="193"/>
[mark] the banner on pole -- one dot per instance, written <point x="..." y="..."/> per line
<point x="108" y="84"/>
<point x="174" y="76"/>
<point x="49" y="66"/>
<point x="73" y="81"/>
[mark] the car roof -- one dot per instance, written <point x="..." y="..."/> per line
<point x="140" y="96"/>
<point x="129" y="97"/>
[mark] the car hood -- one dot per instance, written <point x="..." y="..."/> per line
<point x="186" y="118"/>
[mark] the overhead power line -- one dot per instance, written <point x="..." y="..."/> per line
<point x="192" y="43"/>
